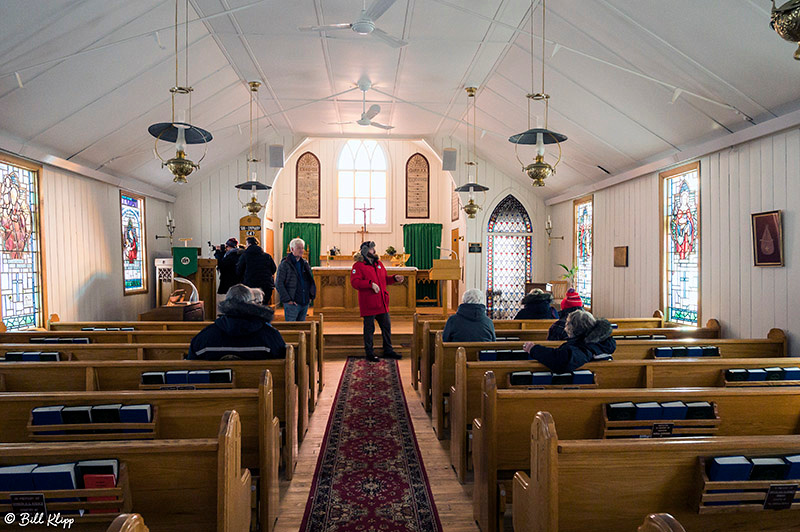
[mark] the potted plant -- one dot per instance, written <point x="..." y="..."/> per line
<point x="569" y="274"/>
<point x="391" y="251"/>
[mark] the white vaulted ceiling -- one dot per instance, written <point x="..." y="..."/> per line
<point x="94" y="76"/>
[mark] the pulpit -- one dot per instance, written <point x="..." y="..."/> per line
<point x="446" y="270"/>
<point x="205" y="279"/>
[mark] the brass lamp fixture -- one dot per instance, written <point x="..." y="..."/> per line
<point x="539" y="169"/>
<point x="180" y="132"/>
<point x="785" y="20"/>
<point x="470" y="207"/>
<point x="253" y="185"/>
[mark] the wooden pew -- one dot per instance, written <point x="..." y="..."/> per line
<point x="608" y="484"/>
<point x="178" y="485"/>
<point x="179" y="415"/>
<point x="443" y="369"/>
<point x="500" y="436"/>
<point x="465" y="394"/>
<point x="128" y="523"/>
<point x="428" y="341"/>
<point x="660" y="523"/>
<point x="108" y="376"/>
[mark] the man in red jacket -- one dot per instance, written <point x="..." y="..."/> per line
<point x="370" y="278"/>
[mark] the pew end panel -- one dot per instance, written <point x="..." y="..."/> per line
<point x="660" y="523"/>
<point x="128" y="523"/>
<point x="269" y="454"/>
<point x="233" y="482"/>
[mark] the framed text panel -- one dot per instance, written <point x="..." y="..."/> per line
<point x="307" y="180"/>
<point x="418" y="174"/>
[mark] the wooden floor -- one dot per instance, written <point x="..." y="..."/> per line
<point x="453" y="501"/>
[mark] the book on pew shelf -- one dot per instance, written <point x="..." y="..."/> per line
<point x="511" y="355"/>
<point x="521" y="378"/>
<point x="710" y="351"/>
<point x="541" y="377"/>
<point x="793" y="467"/>
<point x="176" y="377"/>
<point x="662" y="352"/>
<point x="50" y="356"/>
<point x="199" y="376"/>
<point x="624" y="411"/>
<point x="614" y="326"/>
<point x="49" y="340"/>
<point x="756" y="374"/>
<point x="791" y="374"/>
<point x="80" y="340"/>
<point x="602" y="357"/>
<point x="136" y="414"/>
<point x="774" y="374"/>
<point x="153" y="377"/>
<point x="673" y="410"/>
<point x="126" y="329"/>
<point x="97" y="467"/>
<point x="16" y="478"/>
<point x="75" y="415"/>
<point x="768" y="469"/>
<point x="57" y="477"/>
<point x="736" y="374"/>
<point x="92" y="481"/>
<point x="47" y="415"/>
<point x="222" y="376"/>
<point x="582" y="376"/>
<point x="106" y="413"/>
<point x="88" y="329"/>
<point x="36" y="340"/>
<point x="694" y="351"/>
<point x="116" y="329"/>
<point x="14" y="356"/>
<point x="487" y="356"/>
<point x="659" y="337"/>
<point x="728" y="468"/>
<point x="699" y="410"/>
<point x="562" y="378"/>
<point x="649" y="410"/>
<point x="31" y="356"/>
<point x="680" y="351"/>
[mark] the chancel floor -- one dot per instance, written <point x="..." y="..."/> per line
<point x="453" y="501"/>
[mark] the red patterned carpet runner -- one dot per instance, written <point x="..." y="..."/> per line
<point x="369" y="475"/>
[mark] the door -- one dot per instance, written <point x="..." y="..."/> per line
<point x="454" y="245"/>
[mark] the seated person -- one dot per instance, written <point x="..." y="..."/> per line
<point x="470" y="322"/>
<point x="588" y="337"/>
<point x="569" y="304"/>
<point x="241" y="332"/>
<point x="536" y="306"/>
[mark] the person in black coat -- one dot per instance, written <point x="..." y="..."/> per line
<point x="256" y="268"/>
<point x="536" y="306"/>
<point x="470" y="322"/>
<point x="243" y="331"/>
<point x="295" y="282"/>
<point x="588" y="339"/>
<point x="571" y="302"/>
<point x="227" y="256"/>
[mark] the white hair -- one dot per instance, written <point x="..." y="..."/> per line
<point x="579" y="322"/>
<point x="295" y="241"/>
<point x="473" y="295"/>
<point x="258" y="296"/>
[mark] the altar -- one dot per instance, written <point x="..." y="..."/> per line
<point x="337" y="299"/>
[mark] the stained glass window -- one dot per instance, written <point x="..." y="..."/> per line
<point x="509" y="254"/>
<point x="681" y="216"/>
<point x="20" y="256"/>
<point x="362" y="183"/>
<point x="583" y="249"/>
<point x="134" y="256"/>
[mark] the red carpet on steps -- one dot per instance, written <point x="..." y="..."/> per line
<point x="370" y="476"/>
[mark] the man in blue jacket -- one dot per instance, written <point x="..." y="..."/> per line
<point x="470" y="322"/>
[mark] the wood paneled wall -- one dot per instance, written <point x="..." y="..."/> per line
<point x="757" y="176"/>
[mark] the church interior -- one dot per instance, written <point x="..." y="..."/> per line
<point x="571" y="220"/>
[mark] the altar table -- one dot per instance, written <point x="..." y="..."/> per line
<point x="337" y="299"/>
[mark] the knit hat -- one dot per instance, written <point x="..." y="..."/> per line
<point x="573" y="299"/>
<point x="232" y="243"/>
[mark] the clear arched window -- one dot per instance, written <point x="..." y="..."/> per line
<point x="362" y="170"/>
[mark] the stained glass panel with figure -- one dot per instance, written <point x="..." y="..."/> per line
<point x="682" y="246"/>
<point x="134" y="258"/>
<point x="20" y="256"/>
<point x="583" y="249"/>
<point x="509" y="258"/>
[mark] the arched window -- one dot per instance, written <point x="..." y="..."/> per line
<point x="362" y="180"/>
<point x="509" y="255"/>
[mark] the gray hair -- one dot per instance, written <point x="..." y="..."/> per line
<point x="473" y="295"/>
<point x="258" y="296"/>
<point x="295" y="241"/>
<point x="237" y="294"/>
<point x="579" y="322"/>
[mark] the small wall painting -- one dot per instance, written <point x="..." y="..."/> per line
<point x="767" y="238"/>
<point x="621" y="256"/>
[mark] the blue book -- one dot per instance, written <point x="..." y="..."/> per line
<point x="126" y="329"/>
<point x="694" y="351"/>
<point x="541" y="377"/>
<point x="793" y="469"/>
<point x="136" y="414"/>
<point x="177" y="377"/>
<point x="47" y="415"/>
<point x="36" y="340"/>
<point x="16" y="478"/>
<point x="200" y="376"/>
<point x="648" y="411"/>
<point x="487" y="356"/>
<point x="662" y="352"/>
<point x="614" y="326"/>
<point x="582" y="376"/>
<point x="31" y="356"/>
<point x="756" y="374"/>
<point x="49" y="356"/>
<point x="57" y="477"/>
<point x="789" y="374"/>
<point x="14" y="356"/>
<point x="729" y="468"/>
<point x="80" y="340"/>
<point x="673" y="410"/>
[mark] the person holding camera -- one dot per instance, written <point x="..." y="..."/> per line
<point x="227" y="256"/>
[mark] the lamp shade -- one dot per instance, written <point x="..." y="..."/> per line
<point x="529" y="137"/>
<point x="472" y="187"/>
<point x="249" y="185"/>
<point x="168" y="132"/>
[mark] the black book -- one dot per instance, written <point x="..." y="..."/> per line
<point x="735" y="375"/>
<point x="53" y="340"/>
<point x="96" y="467"/>
<point x="49" y="356"/>
<point x="710" y="351"/>
<point x="624" y="411"/>
<point x="680" y="351"/>
<point x="699" y="410"/>
<point x="80" y="340"/>
<point x="562" y="378"/>
<point x="521" y="378"/>
<point x="14" y="356"/>
<point x="153" y="377"/>
<point x="768" y="469"/>
<point x="36" y="340"/>
<point x="74" y="415"/>
<point x="223" y="376"/>
<point x="106" y="413"/>
<point x="774" y="374"/>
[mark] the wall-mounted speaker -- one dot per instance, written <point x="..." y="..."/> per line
<point x="276" y="156"/>
<point x="449" y="159"/>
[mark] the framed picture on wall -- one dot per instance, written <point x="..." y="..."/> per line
<point x="767" y="238"/>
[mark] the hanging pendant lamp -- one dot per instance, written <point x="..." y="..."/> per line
<point x="539" y="169"/>
<point x="471" y="187"/>
<point x="180" y="132"/>
<point x="253" y="185"/>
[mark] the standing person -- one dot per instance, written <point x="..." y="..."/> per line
<point x="295" y="282"/>
<point x="227" y="256"/>
<point x="370" y="278"/>
<point x="571" y="303"/>
<point x="256" y="268"/>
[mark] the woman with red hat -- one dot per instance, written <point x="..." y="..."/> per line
<point x="571" y="302"/>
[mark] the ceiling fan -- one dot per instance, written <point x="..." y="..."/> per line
<point x="365" y="24"/>
<point x="366" y="114"/>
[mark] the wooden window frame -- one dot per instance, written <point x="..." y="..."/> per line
<point x="146" y="277"/>
<point x="580" y="201"/>
<point x="662" y="177"/>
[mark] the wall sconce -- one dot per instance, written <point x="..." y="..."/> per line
<point x="548" y="228"/>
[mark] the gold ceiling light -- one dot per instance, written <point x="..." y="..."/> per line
<point x="180" y="132"/>
<point x="539" y="169"/>
<point x="468" y="190"/>
<point x="785" y="21"/>
<point x="253" y="185"/>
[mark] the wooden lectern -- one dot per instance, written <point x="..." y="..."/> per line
<point x="205" y="279"/>
<point x="446" y="270"/>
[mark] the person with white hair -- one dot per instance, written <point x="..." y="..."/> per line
<point x="470" y="323"/>
<point x="295" y="282"/>
<point x="588" y="339"/>
<point x="242" y="331"/>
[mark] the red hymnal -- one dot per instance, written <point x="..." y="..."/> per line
<point x="91" y="481"/>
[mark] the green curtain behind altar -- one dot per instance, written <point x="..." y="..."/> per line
<point x="421" y="241"/>
<point x="312" y="235"/>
